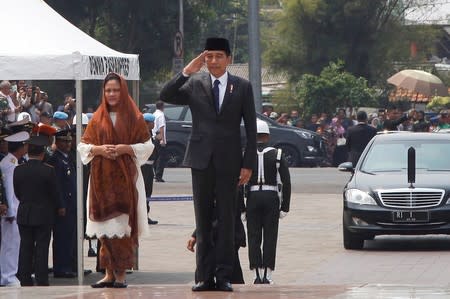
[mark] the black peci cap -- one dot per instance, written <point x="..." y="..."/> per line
<point x="218" y="44"/>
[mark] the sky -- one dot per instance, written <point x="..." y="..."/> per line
<point x="439" y="13"/>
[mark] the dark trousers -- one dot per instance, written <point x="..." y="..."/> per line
<point x="160" y="160"/>
<point x="262" y="227"/>
<point x="149" y="175"/>
<point x="208" y="185"/>
<point x="33" y="239"/>
<point x="237" y="276"/>
<point x="64" y="240"/>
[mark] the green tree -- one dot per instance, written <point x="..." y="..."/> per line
<point x="368" y="35"/>
<point x="333" y="88"/>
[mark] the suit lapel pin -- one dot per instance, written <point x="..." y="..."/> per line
<point x="231" y="88"/>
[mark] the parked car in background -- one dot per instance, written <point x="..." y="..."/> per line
<point x="300" y="147"/>
<point x="382" y="199"/>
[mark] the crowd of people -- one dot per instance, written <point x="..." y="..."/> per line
<point x="17" y="97"/>
<point x="40" y="143"/>
<point x="334" y="128"/>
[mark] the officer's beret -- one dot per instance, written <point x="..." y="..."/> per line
<point x="149" y="117"/>
<point x="60" y="115"/>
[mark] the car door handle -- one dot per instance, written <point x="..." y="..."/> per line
<point x="186" y="126"/>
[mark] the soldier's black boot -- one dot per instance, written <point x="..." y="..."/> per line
<point x="257" y="277"/>
<point x="267" y="279"/>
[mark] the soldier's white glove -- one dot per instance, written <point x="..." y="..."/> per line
<point x="243" y="217"/>
<point x="282" y="214"/>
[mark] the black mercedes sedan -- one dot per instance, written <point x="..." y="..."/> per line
<point x="400" y="185"/>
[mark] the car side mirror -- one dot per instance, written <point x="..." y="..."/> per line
<point x="346" y="166"/>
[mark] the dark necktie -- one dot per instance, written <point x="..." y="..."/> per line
<point x="216" y="94"/>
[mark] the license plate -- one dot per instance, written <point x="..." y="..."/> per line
<point x="410" y="216"/>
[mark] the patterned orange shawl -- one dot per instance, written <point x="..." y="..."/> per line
<point x="113" y="182"/>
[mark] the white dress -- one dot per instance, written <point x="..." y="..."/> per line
<point x="118" y="226"/>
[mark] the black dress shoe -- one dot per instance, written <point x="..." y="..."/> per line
<point x="42" y="284"/>
<point x="120" y="285"/>
<point x="160" y="180"/>
<point x="103" y="284"/>
<point x="26" y="283"/>
<point x="204" y="286"/>
<point x="64" y="275"/>
<point x="91" y="252"/>
<point x="87" y="272"/>
<point x="150" y="221"/>
<point x="224" y="286"/>
<point x="257" y="281"/>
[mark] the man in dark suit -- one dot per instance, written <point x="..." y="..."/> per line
<point x="36" y="190"/>
<point x="394" y="118"/>
<point x="218" y="102"/>
<point x="65" y="229"/>
<point x="359" y="136"/>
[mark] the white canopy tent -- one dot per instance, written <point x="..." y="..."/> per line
<point x="42" y="45"/>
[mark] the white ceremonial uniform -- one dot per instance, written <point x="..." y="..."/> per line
<point x="118" y="226"/>
<point x="10" y="244"/>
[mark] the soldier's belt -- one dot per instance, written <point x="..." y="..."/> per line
<point x="264" y="188"/>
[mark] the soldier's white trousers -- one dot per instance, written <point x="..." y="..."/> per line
<point x="9" y="253"/>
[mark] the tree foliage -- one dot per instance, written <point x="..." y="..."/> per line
<point x="368" y="35"/>
<point x="148" y="27"/>
<point x="333" y="88"/>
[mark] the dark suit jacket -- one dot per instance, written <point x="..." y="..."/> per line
<point x="391" y="125"/>
<point x="66" y="180"/>
<point x="216" y="135"/>
<point x="357" y="138"/>
<point x="35" y="188"/>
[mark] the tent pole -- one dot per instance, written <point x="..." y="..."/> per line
<point x="135" y="95"/>
<point x="80" y="199"/>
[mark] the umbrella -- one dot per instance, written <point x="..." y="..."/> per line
<point x="419" y="82"/>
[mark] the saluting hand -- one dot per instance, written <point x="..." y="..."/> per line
<point x="196" y="64"/>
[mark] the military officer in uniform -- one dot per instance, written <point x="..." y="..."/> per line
<point x="268" y="198"/>
<point x="148" y="169"/>
<point x="64" y="231"/>
<point x="36" y="189"/>
<point x="10" y="241"/>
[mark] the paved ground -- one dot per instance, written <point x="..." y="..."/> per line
<point x="311" y="262"/>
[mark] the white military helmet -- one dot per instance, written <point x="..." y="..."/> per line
<point x="24" y="115"/>
<point x="262" y="127"/>
<point x="84" y="119"/>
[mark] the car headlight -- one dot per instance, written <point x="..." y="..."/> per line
<point x="304" y="134"/>
<point x="311" y="149"/>
<point x="359" y="197"/>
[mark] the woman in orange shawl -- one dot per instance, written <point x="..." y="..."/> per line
<point x="116" y="143"/>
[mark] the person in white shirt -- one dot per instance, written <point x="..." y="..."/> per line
<point x="10" y="241"/>
<point x="159" y="131"/>
<point x="9" y="113"/>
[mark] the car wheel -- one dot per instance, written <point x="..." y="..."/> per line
<point x="290" y="154"/>
<point x="351" y="240"/>
<point x="175" y="155"/>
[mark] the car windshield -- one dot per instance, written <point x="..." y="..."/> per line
<point x="393" y="156"/>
